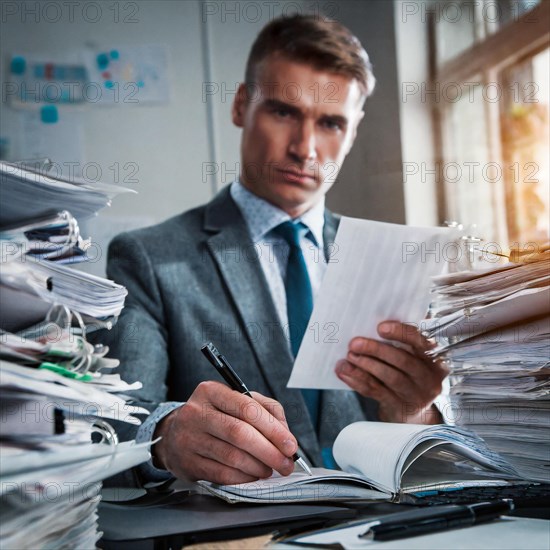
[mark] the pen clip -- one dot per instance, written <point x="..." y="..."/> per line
<point x="224" y="368"/>
<point x="212" y="354"/>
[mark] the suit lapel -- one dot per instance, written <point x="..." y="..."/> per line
<point x="233" y="252"/>
<point x="329" y="233"/>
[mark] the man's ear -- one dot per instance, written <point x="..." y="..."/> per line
<point x="354" y="134"/>
<point x="240" y="104"/>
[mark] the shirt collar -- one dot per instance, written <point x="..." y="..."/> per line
<point x="261" y="216"/>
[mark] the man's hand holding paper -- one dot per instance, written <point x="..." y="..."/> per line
<point x="404" y="380"/>
<point x="375" y="289"/>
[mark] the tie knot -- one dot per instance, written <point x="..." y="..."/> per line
<point x="291" y="232"/>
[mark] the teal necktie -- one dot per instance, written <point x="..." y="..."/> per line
<point x="299" y="299"/>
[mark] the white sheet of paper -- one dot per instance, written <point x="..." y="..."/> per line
<point x="377" y="271"/>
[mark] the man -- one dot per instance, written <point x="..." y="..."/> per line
<point x="221" y="272"/>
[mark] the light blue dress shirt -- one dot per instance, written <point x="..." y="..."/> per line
<point x="261" y="218"/>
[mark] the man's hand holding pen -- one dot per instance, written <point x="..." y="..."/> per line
<point x="226" y="437"/>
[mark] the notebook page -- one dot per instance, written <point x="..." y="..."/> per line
<point x="374" y="449"/>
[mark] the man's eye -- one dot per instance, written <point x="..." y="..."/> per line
<point x="331" y="125"/>
<point x="282" y="113"/>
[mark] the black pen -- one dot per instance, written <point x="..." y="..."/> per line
<point x="439" y="518"/>
<point x="222" y="365"/>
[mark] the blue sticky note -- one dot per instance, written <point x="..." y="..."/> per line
<point x="18" y="64"/>
<point x="114" y="54"/>
<point x="49" y="114"/>
<point x="102" y="60"/>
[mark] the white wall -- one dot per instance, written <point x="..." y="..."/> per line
<point x="163" y="140"/>
<point x="411" y="31"/>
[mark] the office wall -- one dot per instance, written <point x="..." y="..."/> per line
<point x="163" y="140"/>
<point x="411" y="33"/>
<point x="371" y="182"/>
<point x="175" y="145"/>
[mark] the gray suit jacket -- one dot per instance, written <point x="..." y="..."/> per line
<point x="195" y="278"/>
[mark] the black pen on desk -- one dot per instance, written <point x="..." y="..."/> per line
<point x="222" y="365"/>
<point x="424" y="521"/>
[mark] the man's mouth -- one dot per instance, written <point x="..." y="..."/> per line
<point x="296" y="176"/>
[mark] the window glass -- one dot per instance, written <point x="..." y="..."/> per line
<point x="467" y="173"/>
<point x="525" y="147"/>
<point x="455" y="28"/>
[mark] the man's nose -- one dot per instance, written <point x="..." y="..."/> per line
<point x="303" y="145"/>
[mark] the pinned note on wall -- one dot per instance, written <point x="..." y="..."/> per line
<point x="35" y="80"/>
<point x="130" y="75"/>
<point x="118" y="76"/>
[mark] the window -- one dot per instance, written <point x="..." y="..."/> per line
<point x="490" y="69"/>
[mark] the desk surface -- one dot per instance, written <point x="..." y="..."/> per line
<point x="200" y="517"/>
<point x="203" y="518"/>
<point x="508" y="533"/>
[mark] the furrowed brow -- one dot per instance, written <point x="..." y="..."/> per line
<point x="277" y="104"/>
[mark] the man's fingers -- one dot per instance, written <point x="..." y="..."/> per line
<point x="221" y="451"/>
<point x="244" y="423"/>
<point x="271" y="405"/>
<point x="227" y="437"/>
<point x="362" y="349"/>
<point x="402" y="372"/>
<point x="394" y="376"/>
<point x="363" y="382"/>
<point x="212" y="470"/>
<point x="406" y="334"/>
<point x="242" y="435"/>
<point x="252" y="412"/>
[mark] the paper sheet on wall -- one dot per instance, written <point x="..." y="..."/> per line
<point x="61" y="140"/>
<point x="377" y="271"/>
<point x="129" y="75"/>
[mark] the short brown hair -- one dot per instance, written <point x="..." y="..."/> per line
<point x="323" y="43"/>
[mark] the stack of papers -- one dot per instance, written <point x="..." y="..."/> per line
<point x="55" y="447"/>
<point x="494" y="328"/>
<point x="29" y="194"/>
<point x="58" y="393"/>
<point x="49" y="520"/>
<point x="56" y="237"/>
<point x="39" y="233"/>
<point x="470" y="303"/>
<point x="29" y="288"/>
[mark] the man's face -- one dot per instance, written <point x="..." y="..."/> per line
<point x="298" y="124"/>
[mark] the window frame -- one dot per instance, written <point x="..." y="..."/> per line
<point x="514" y="42"/>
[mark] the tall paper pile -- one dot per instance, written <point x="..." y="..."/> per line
<point x="494" y="328"/>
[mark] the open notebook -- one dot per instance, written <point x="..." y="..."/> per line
<point x="381" y="461"/>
